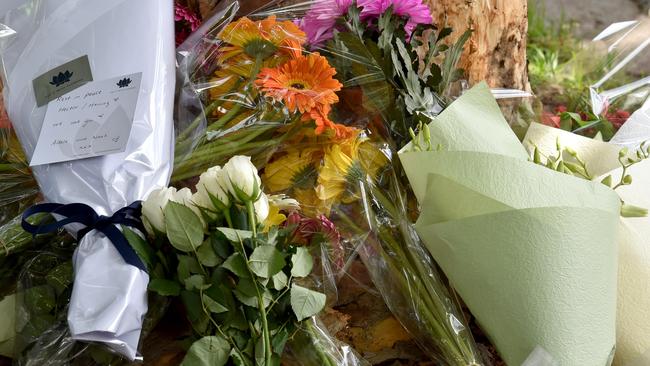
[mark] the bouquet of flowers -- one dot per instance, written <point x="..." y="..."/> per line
<point x="625" y="170"/>
<point x="243" y="267"/>
<point x="41" y="39"/>
<point x="503" y="227"/>
<point x="321" y="109"/>
<point x="613" y="149"/>
<point x="18" y="188"/>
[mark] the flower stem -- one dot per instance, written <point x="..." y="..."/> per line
<point x="322" y="355"/>
<point x="268" y="351"/>
<point x="266" y="334"/>
<point x="252" y="222"/>
<point x="208" y="111"/>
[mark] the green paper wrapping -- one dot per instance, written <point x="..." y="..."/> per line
<point x="531" y="251"/>
<point x="633" y="316"/>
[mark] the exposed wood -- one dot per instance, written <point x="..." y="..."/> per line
<point x="496" y="51"/>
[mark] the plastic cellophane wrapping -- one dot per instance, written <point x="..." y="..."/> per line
<point x="622" y="92"/>
<point x="17" y="186"/>
<point x="345" y="172"/>
<point x="119" y="38"/>
<point x="624" y="82"/>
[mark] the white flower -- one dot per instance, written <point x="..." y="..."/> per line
<point x="284" y="203"/>
<point x="240" y="177"/>
<point x="152" y="209"/>
<point x="210" y="185"/>
<point x="262" y="208"/>
<point x="184" y="197"/>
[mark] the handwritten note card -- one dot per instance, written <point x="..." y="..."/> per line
<point x="93" y="120"/>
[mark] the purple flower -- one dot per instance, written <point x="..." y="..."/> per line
<point x="414" y="10"/>
<point x="320" y="21"/>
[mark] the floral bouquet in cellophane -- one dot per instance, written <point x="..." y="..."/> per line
<point x="321" y="95"/>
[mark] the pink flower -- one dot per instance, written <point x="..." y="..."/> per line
<point x="316" y="231"/>
<point x="551" y="119"/>
<point x="187" y="22"/>
<point x="618" y="118"/>
<point x="320" y="20"/>
<point x="414" y="10"/>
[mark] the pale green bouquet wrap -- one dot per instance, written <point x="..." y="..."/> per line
<point x="531" y="251"/>
<point x="601" y="158"/>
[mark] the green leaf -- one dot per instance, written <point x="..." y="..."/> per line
<point x="140" y="246"/>
<point x="237" y="265"/>
<point x="41" y="299"/>
<point x="306" y="302"/>
<point x="220" y="244"/>
<point x="280" y="281"/>
<point x="246" y="293"/>
<point x="236" y="358"/>
<point x="184" y="228"/>
<point x="266" y="261"/>
<point x="302" y="263"/>
<point x="235" y="235"/>
<point x="165" y="287"/>
<point x="208" y="351"/>
<point x="279" y="340"/>
<point x="196" y="315"/>
<point x="207" y="256"/>
<point x="451" y="61"/>
<point x="60" y="278"/>
<point x="259" y="351"/>
<point x="196" y="282"/>
<point x="213" y="306"/>
<point x="187" y="266"/>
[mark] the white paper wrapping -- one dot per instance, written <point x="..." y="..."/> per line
<point x="119" y="37"/>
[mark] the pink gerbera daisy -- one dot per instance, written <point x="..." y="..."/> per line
<point x="320" y="20"/>
<point x="416" y="11"/>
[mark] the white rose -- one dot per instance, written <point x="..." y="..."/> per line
<point x="210" y="185"/>
<point x="184" y="197"/>
<point x="261" y="208"/>
<point x="152" y="209"/>
<point x="240" y="177"/>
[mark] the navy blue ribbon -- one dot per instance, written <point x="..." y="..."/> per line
<point x="80" y="213"/>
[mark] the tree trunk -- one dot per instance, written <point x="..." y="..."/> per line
<point x="496" y="52"/>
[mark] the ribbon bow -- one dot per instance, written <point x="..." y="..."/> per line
<point x="83" y="214"/>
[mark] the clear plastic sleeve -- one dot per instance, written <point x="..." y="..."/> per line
<point x="17" y="186"/>
<point x="314" y="346"/>
<point x="43" y="296"/>
<point x="345" y="170"/>
<point x="119" y="37"/>
<point x="624" y="85"/>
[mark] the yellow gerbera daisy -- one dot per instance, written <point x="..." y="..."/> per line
<point x="260" y="39"/>
<point x="310" y="204"/>
<point x="345" y="166"/>
<point x="295" y="169"/>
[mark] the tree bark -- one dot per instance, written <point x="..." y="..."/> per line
<point x="496" y="52"/>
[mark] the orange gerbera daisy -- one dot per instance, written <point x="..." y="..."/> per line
<point x="320" y="115"/>
<point x="260" y="38"/>
<point x="304" y="83"/>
